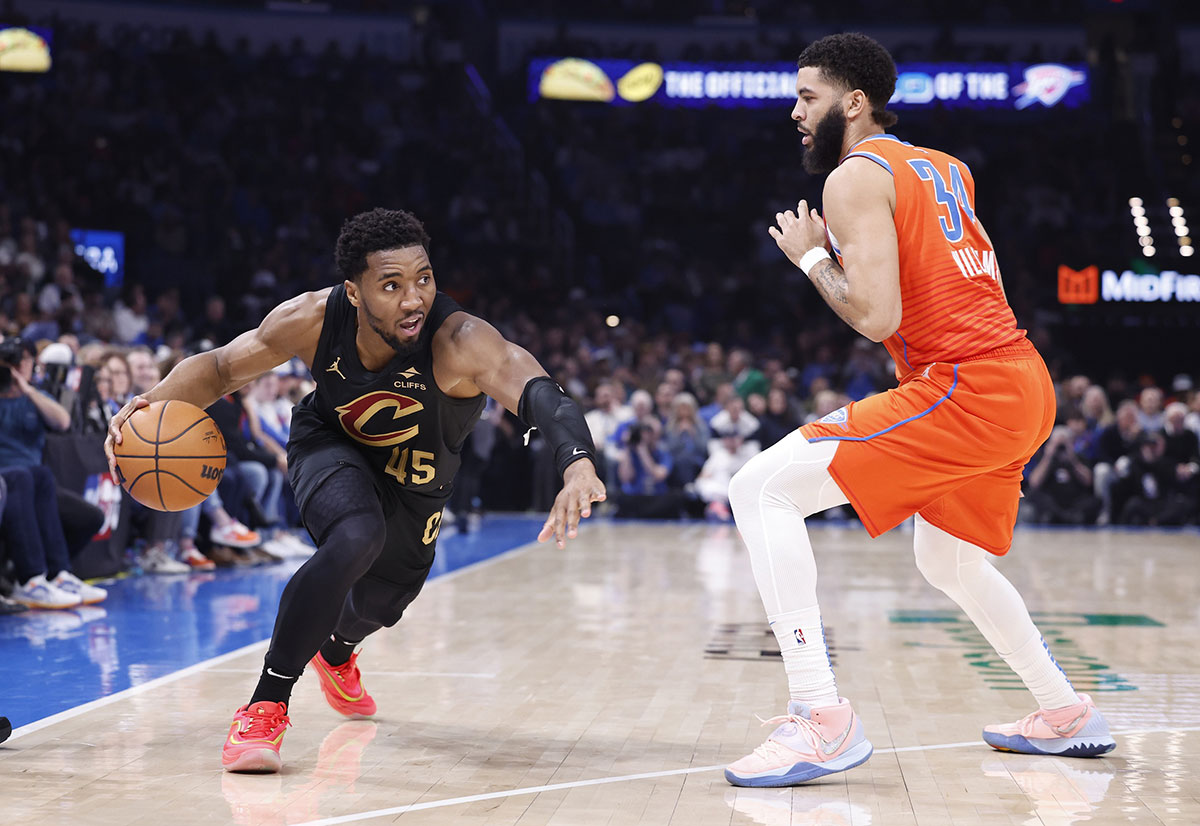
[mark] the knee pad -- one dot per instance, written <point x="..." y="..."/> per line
<point x="344" y="512"/>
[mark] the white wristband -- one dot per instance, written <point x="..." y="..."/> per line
<point x="810" y="258"/>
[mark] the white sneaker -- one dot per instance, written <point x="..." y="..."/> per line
<point x="289" y="546"/>
<point x="88" y="594"/>
<point x="275" y="548"/>
<point x="235" y="535"/>
<point x="38" y="593"/>
<point x="196" y="560"/>
<point x="155" y="560"/>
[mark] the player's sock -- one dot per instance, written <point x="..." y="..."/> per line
<point x="801" y="639"/>
<point x="273" y="687"/>
<point x="770" y="497"/>
<point x="964" y="573"/>
<point x="1041" y="673"/>
<point x="337" y="649"/>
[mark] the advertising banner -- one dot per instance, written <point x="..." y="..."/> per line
<point x="996" y="86"/>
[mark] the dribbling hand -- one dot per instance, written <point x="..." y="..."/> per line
<point x="114" y="429"/>
<point x="581" y="487"/>
<point x="799" y="231"/>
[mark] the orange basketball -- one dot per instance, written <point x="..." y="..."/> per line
<point x="171" y="456"/>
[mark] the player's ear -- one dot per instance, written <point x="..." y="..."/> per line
<point x="352" y="292"/>
<point x="857" y="103"/>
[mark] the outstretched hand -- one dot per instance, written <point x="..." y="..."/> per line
<point x="114" y="429"/>
<point x="581" y="487"/>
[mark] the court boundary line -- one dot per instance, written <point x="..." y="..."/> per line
<point x="599" y="781"/>
<point x="187" y="671"/>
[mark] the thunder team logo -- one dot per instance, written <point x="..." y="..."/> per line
<point x="1047" y="84"/>
<point x="384" y="413"/>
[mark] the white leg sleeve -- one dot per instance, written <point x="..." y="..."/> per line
<point x="770" y="496"/>
<point x="963" y="572"/>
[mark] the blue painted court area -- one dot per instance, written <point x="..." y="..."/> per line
<point x="151" y="626"/>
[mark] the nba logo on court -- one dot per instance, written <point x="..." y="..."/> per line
<point x="799" y="632"/>
<point x="1078" y="287"/>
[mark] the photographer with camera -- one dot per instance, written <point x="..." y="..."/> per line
<point x="1060" y="484"/>
<point x="32" y="527"/>
<point x="642" y="472"/>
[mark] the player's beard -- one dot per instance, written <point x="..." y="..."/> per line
<point x="402" y="348"/>
<point x="825" y="151"/>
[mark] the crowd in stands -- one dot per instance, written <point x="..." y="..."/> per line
<point x="691" y="342"/>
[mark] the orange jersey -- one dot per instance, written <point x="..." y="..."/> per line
<point x="953" y="306"/>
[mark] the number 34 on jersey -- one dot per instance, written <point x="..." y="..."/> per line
<point x="953" y="198"/>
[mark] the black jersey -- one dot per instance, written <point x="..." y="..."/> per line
<point x="398" y="419"/>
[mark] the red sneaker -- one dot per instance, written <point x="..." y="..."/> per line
<point x="343" y="688"/>
<point x="254" y="738"/>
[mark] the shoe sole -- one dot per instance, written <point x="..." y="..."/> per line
<point x="1066" y="747"/>
<point x="45" y="606"/>
<point x="254" y="761"/>
<point x="804" y="772"/>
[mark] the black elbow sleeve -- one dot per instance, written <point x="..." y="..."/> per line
<point x="545" y="406"/>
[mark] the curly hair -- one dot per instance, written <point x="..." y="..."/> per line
<point x="854" y="61"/>
<point x="379" y="229"/>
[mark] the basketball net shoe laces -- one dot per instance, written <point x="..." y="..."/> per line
<point x="1075" y="731"/>
<point x="809" y="743"/>
<point x="254" y="738"/>
<point x="343" y="688"/>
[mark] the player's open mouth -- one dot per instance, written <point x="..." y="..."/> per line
<point x="805" y="137"/>
<point x="412" y="325"/>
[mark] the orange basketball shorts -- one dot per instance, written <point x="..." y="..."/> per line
<point x="950" y="443"/>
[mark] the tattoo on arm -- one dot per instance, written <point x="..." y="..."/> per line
<point x="830" y="281"/>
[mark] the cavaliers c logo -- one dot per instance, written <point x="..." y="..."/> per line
<point x="355" y="415"/>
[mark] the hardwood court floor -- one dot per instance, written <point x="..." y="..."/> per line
<point x="608" y="683"/>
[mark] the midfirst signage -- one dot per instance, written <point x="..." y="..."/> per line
<point x="1090" y="286"/>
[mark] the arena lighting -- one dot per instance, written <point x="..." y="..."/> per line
<point x="612" y="321"/>
<point x="1141" y="225"/>
<point x="1186" y="252"/>
<point x="1182" y="233"/>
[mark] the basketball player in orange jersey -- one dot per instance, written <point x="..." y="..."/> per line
<point x="912" y="267"/>
<point x="401" y="373"/>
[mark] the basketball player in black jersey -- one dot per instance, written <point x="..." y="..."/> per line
<point x="401" y="373"/>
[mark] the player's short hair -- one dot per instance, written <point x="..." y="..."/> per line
<point x="374" y="231"/>
<point x="854" y="61"/>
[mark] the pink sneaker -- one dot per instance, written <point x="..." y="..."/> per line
<point x="1075" y="731"/>
<point x="254" y="738"/>
<point x="810" y="743"/>
<point x="343" y="688"/>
